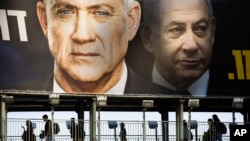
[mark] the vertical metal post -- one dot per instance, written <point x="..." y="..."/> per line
<point x="144" y="125"/>
<point x="93" y="120"/>
<point x="164" y="119"/>
<point x="156" y="134"/>
<point x="189" y="124"/>
<point x="99" y="125"/>
<point x="81" y="124"/>
<point x="233" y="116"/>
<point x="3" y="120"/>
<point x="179" y="120"/>
<point x="54" y="99"/>
<point x="52" y="123"/>
<point x="115" y="134"/>
<point x="5" y="100"/>
<point x="80" y="113"/>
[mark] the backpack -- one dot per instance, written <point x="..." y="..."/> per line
<point x="204" y="136"/>
<point x="56" y="128"/>
<point x="223" y="128"/>
<point x="27" y="136"/>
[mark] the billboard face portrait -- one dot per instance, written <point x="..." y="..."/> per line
<point x="180" y="35"/>
<point x="97" y="47"/>
<point x="88" y="40"/>
<point x="194" y="46"/>
<point x="187" y="50"/>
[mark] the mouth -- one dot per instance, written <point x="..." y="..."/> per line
<point x="85" y="54"/>
<point x="190" y="63"/>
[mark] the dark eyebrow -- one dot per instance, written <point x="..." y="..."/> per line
<point x="175" y="23"/>
<point x="203" y="20"/>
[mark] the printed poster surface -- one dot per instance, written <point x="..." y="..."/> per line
<point x="123" y="47"/>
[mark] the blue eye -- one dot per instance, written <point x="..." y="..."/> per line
<point x="101" y="13"/>
<point x="64" y="12"/>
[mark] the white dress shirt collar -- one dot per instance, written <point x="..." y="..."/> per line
<point x="119" y="88"/>
<point x="198" y="88"/>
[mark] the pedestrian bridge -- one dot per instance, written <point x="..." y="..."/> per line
<point x="107" y="132"/>
<point x="12" y="101"/>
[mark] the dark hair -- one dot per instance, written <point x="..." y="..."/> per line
<point x="45" y="116"/>
<point x="72" y="119"/>
<point x="184" y="123"/>
<point x="122" y="125"/>
<point x="215" y="118"/>
<point x="149" y="8"/>
<point x="29" y="124"/>
<point x="211" y="120"/>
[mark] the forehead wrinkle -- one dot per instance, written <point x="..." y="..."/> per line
<point x="63" y="5"/>
<point x="203" y="20"/>
<point x="176" y="23"/>
<point x="98" y="6"/>
<point x="180" y="23"/>
<point x="165" y="7"/>
<point x="93" y="5"/>
<point x="185" y="17"/>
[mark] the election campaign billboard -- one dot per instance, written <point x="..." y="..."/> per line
<point x="164" y="47"/>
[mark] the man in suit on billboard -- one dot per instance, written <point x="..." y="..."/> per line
<point x="180" y="35"/>
<point x="88" y="41"/>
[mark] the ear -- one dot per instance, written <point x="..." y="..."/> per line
<point x="41" y="13"/>
<point x="134" y="17"/>
<point x="213" y="28"/>
<point x="145" y="33"/>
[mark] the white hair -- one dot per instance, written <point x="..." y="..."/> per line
<point x="128" y="3"/>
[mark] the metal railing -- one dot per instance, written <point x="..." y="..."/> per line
<point x="134" y="129"/>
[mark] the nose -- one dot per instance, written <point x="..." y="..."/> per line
<point x="190" y="42"/>
<point x="84" y="31"/>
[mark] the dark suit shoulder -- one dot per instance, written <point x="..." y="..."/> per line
<point x="138" y="85"/>
<point x="39" y="84"/>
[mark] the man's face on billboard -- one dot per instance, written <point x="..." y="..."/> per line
<point x="87" y="38"/>
<point x="182" y="40"/>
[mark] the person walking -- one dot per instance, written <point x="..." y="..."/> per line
<point x="123" y="132"/>
<point x="47" y="128"/>
<point x="220" y="127"/>
<point x="28" y="134"/>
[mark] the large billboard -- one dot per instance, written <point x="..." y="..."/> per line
<point x="164" y="47"/>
